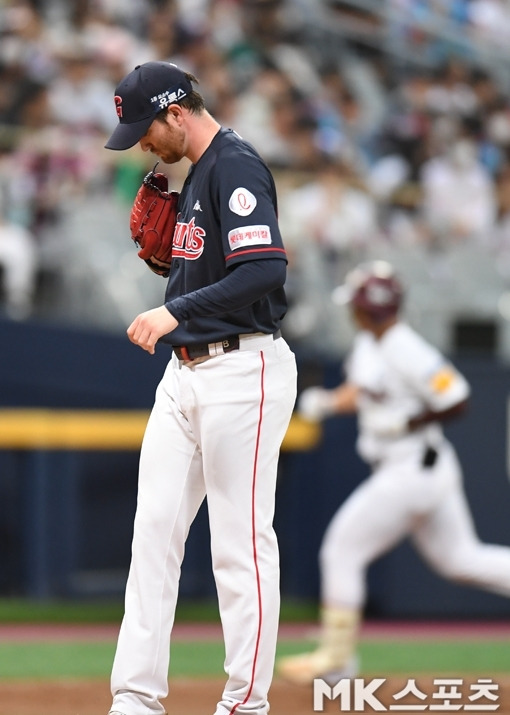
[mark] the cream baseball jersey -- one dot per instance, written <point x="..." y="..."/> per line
<point x="227" y="215"/>
<point x="403" y="374"/>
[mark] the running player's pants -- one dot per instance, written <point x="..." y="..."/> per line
<point x="402" y="499"/>
<point x="216" y="430"/>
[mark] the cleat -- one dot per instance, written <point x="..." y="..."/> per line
<point x="304" y="669"/>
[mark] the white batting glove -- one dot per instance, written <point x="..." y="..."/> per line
<point x="384" y="422"/>
<point x="316" y="403"/>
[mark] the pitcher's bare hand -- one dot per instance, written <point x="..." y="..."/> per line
<point x="148" y="327"/>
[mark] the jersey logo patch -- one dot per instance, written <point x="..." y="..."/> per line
<point x="443" y="380"/>
<point x="248" y="235"/>
<point x="197" y="206"/>
<point x="242" y="202"/>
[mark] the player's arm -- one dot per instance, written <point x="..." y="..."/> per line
<point x="148" y="327"/>
<point x="393" y="422"/>
<point x="446" y="396"/>
<point x="444" y="393"/>
<point x="437" y="415"/>
<point x="317" y="403"/>
<point x="242" y="286"/>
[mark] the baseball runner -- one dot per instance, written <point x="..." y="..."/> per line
<point x="224" y="403"/>
<point x="402" y="389"/>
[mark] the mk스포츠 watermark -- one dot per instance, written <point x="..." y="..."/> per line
<point x="449" y="695"/>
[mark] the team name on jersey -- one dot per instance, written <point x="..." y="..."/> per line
<point x="188" y="240"/>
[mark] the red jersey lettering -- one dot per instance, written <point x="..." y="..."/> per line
<point x="188" y="241"/>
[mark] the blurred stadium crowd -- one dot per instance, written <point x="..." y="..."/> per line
<point x="385" y="122"/>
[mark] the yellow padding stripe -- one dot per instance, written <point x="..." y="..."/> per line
<point x="106" y="429"/>
<point x="71" y="429"/>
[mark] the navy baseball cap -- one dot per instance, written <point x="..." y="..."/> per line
<point x="143" y="93"/>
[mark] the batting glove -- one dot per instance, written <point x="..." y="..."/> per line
<point x="316" y="403"/>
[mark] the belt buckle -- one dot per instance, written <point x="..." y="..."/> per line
<point x="227" y="345"/>
<point x="224" y="346"/>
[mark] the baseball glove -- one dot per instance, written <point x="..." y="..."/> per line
<point x="152" y="222"/>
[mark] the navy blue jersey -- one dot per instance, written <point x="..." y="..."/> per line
<point x="227" y="216"/>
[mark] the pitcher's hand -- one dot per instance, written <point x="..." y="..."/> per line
<point x="147" y="328"/>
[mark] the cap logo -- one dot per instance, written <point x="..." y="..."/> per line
<point x="118" y="105"/>
<point x="163" y="99"/>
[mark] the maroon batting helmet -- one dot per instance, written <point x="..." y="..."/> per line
<point x="373" y="288"/>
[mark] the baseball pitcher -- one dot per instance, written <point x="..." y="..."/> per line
<point x="224" y="403"/>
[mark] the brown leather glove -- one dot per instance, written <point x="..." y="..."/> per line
<point x="152" y="222"/>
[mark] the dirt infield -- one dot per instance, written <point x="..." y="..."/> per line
<point x="194" y="696"/>
<point x="198" y="697"/>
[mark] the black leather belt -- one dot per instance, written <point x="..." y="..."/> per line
<point x="225" y="345"/>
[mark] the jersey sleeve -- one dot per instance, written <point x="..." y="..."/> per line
<point x="248" y="210"/>
<point x="434" y="377"/>
<point x="446" y="387"/>
<point x="358" y="365"/>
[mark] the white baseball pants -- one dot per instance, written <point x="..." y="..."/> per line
<point x="216" y="430"/>
<point x="402" y="499"/>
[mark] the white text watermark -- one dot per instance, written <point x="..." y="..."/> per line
<point x="448" y="695"/>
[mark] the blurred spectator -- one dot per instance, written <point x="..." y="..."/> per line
<point x="267" y="114"/>
<point x="28" y="106"/>
<point x="495" y="146"/>
<point x="486" y="90"/>
<point x="490" y="20"/>
<point x="331" y="213"/>
<point x="459" y="202"/>
<point x="18" y="261"/>
<point x="450" y="91"/>
<point x="402" y="222"/>
<point x="26" y="47"/>
<point x="412" y="24"/>
<point x="226" y="25"/>
<point x="405" y="132"/>
<point x="79" y="96"/>
<point x="161" y="33"/>
<point x="114" y="46"/>
<point x="502" y="227"/>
